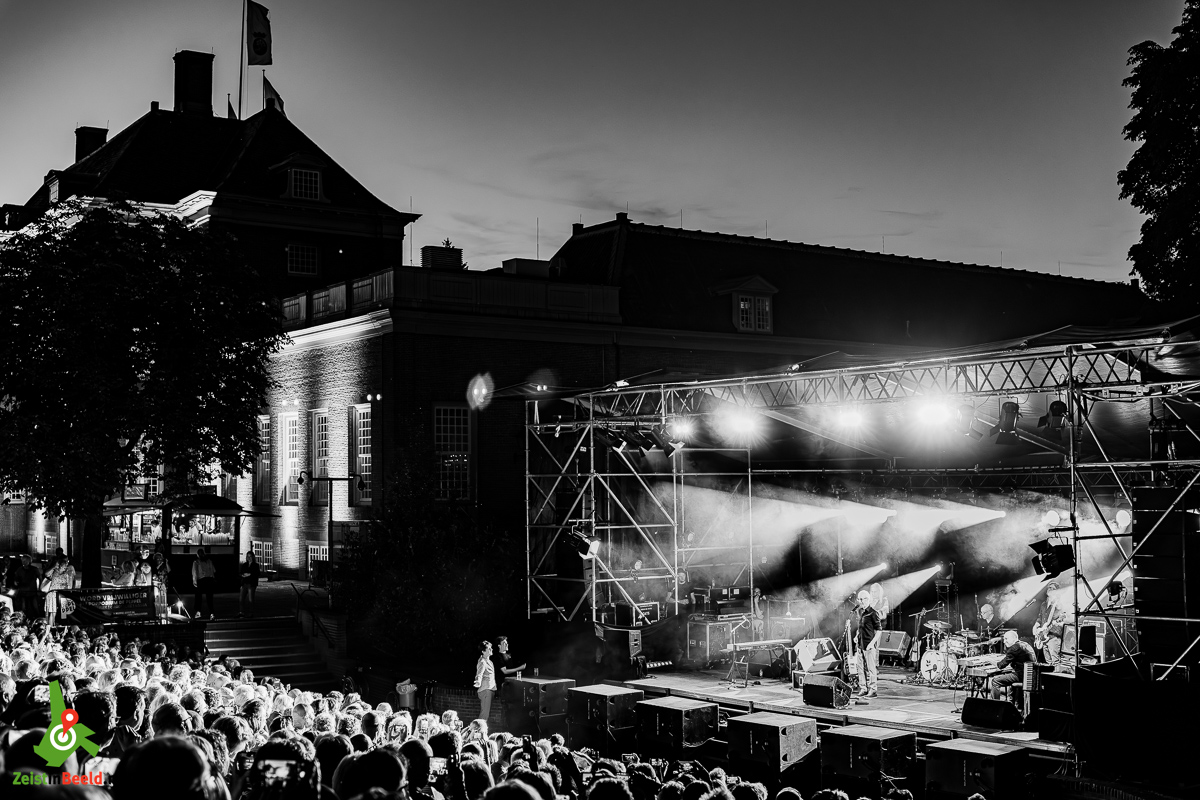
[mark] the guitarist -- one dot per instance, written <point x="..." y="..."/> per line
<point x="1048" y="629"/>
<point x="867" y="628"/>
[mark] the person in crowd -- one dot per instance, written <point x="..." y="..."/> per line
<point x="1016" y="655"/>
<point x="867" y="629"/>
<point x="127" y="575"/>
<point x="162" y="578"/>
<point x="170" y="766"/>
<point x="204" y="578"/>
<point x="485" y="679"/>
<point x="249" y="573"/>
<point x="143" y="574"/>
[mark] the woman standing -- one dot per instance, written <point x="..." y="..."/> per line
<point x="162" y="574"/>
<point x="126" y="576"/>
<point x="485" y="680"/>
<point x="61" y="576"/>
<point x="249" y="572"/>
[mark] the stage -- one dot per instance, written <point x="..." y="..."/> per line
<point x="927" y="711"/>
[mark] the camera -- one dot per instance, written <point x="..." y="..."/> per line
<point x="279" y="772"/>
<point x="437" y="766"/>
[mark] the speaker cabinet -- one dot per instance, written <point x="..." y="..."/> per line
<point x="608" y="742"/>
<point x="538" y="697"/>
<point x="672" y="722"/>
<point x="826" y="691"/>
<point x="603" y="706"/>
<point x="962" y="767"/>
<point x="787" y="628"/>
<point x="864" y="752"/>
<point x="894" y="643"/>
<point x="999" y="715"/>
<point x="777" y="741"/>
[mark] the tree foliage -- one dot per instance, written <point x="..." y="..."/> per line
<point x="129" y="340"/>
<point x="430" y="575"/>
<point x="1162" y="179"/>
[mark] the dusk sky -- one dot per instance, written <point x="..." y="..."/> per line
<point x="955" y="130"/>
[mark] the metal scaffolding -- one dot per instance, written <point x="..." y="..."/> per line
<point x="582" y="475"/>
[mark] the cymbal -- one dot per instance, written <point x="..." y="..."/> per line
<point x="937" y="625"/>
<point x="970" y="636"/>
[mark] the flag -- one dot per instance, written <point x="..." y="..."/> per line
<point x="258" y="35"/>
<point x="269" y="93"/>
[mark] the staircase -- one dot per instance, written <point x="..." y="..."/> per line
<point x="271" y="647"/>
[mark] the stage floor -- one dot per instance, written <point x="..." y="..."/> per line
<point x="930" y="712"/>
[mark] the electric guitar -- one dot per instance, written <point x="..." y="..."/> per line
<point x="1041" y="633"/>
<point x="851" y="664"/>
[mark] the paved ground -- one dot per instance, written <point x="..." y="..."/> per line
<point x="273" y="599"/>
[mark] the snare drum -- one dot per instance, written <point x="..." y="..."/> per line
<point x="936" y="665"/>
<point x="956" y="645"/>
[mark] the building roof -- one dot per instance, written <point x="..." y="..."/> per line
<point x="682" y="279"/>
<point x="166" y="155"/>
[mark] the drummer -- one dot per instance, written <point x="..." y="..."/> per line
<point x="987" y="622"/>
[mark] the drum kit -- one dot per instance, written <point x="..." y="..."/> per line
<point x="943" y="647"/>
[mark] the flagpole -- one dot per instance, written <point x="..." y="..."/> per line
<point x="242" y="60"/>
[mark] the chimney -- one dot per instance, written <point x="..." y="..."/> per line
<point x="193" y="82"/>
<point x="576" y="228"/>
<point x="441" y="257"/>
<point x="622" y="216"/>
<point x="88" y="140"/>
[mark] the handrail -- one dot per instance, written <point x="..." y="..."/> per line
<point x="312" y="612"/>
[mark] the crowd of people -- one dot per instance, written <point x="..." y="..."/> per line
<point x="172" y="721"/>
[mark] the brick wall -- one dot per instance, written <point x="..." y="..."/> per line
<point x="332" y="378"/>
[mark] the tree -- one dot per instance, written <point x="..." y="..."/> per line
<point x="1162" y="179"/>
<point x="130" y="340"/>
<point x="431" y="571"/>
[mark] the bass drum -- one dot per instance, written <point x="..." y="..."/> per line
<point x="938" y="666"/>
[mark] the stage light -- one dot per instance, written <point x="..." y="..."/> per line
<point x="965" y="423"/>
<point x="883" y="567"/>
<point x="850" y="418"/>
<point x="1055" y="416"/>
<point x="1051" y="518"/>
<point x="479" y="391"/>
<point x="683" y="429"/>
<point x="933" y="413"/>
<point x="1005" y="429"/>
<point x="1052" y="560"/>
<point x="585" y="547"/>
<point x="663" y="443"/>
<point x="1124" y="518"/>
<point x="637" y="564"/>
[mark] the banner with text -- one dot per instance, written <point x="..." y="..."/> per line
<point x="109" y="604"/>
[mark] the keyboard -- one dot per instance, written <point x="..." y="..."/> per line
<point x="983" y="666"/>
<point x="760" y="645"/>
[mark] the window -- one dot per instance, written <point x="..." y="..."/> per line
<point x="291" y="455"/>
<point x="306" y="184"/>
<point x="302" y="259"/>
<point x="262" y="467"/>
<point x="264" y="553"/>
<point x="317" y="552"/>
<point x="753" y="313"/>
<point x="320" y="457"/>
<point x="54" y="191"/>
<point x="360" y="451"/>
<point x="50" y="543"/>
<point x="452" y="444"/>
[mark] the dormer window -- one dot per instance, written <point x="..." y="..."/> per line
<point x="753" y="313"/>
<point x="306" y="184"/>
<point x="54" y="191"/>
<point x="752" y="299"/>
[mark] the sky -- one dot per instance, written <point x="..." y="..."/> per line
<point x="984" y="133"/>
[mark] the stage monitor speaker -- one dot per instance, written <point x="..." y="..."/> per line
<point x="538" y="726"/>
<point x="778" y="741"/>
<point x="673" y="722"/>
<point x="603" y="706"/>
<point x="962" y="767"/>
<point x="1056" y="691"/>
<point x="608" y="742"/>
<point x="894" y="643"/>
<point x="1086" y="639"/>
<point x="537" y="697"/>
<point x="788" y="628"/>
<point x="864" y="751"/>
<point x="817" y="655"/>
<point x="826" y="691"/>
<point x="999" y="715"/>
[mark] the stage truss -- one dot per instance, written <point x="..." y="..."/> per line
<point x="579" y="477"/>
